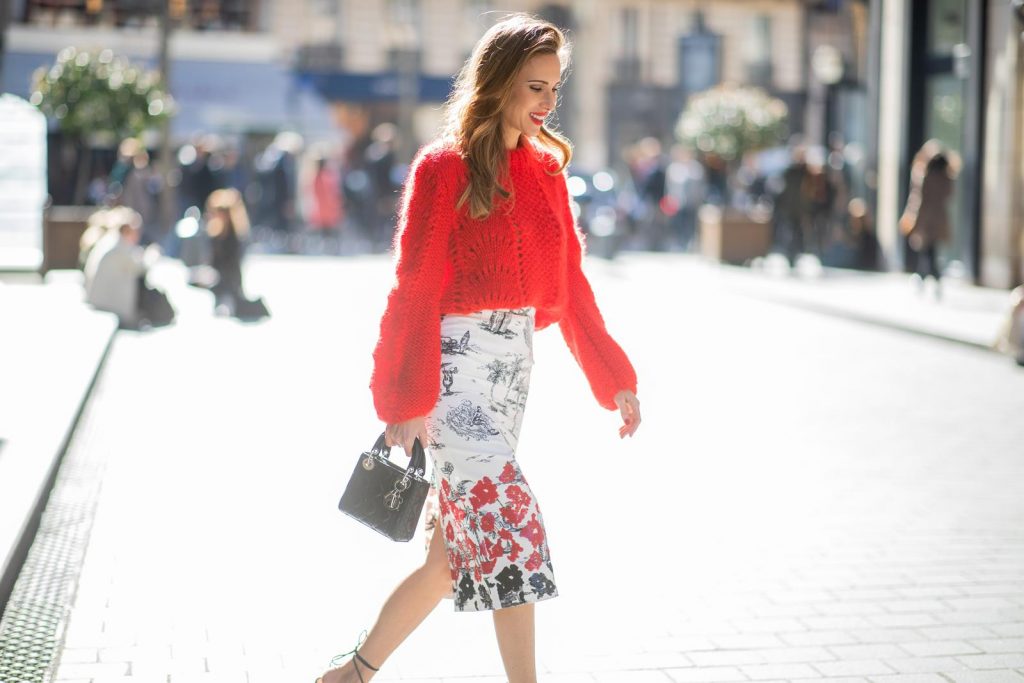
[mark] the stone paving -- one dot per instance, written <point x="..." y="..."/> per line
<point x="807" y="498"/>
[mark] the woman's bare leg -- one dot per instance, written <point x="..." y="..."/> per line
<point x="404" y="610"/>
<point x="515" y="631"/>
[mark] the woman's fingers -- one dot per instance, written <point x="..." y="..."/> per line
<point x="630" y="417"/>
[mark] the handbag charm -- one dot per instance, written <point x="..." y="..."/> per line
<point x="384" y="496"/>
<point x="394" y="499"/>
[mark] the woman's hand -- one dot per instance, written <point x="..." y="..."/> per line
<point x="404" y="434"/>
<point x="629" y="406"/>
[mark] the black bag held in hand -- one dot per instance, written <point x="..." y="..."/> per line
<point x="385" y="497"/>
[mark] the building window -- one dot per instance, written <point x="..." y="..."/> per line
<point x="758" y="51"/>
<point x="630" y="32"/>
<point x="627" y="67"/>
<point x="947" y="26"/>
<point x="401" y="59"/>
<point x="404" y="12"/>
<point x="214" y="15"/>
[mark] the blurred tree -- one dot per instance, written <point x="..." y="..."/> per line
<point x="98" y="98"/>
<point x="723" y="123"/>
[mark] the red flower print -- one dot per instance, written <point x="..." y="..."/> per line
<point x="533" y="564"/>
<point x="517" y="496"/>
<point x="487" y="522"/>
<point x="458" y="514"/>
<point x="492" y="550"/>
<point x="484" y="492"/>
<point x="508" y="474"/>
<point x="446" y="489"/>
<point x="513" y="516"/>
<point x="533" y="532"/>
<point x="513" y="551"/>
<point x="449" y="532"/>
<point x="488" y="566"/>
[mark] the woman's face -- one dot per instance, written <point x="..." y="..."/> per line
<point x="534" y="94"/>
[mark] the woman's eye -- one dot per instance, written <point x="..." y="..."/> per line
<point x="535" y="88"/>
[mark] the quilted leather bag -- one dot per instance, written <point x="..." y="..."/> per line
<point x="384" y="496"/>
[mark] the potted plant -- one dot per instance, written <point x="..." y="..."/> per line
<point x="97" y="99"/>
<point x="723" y="125"/>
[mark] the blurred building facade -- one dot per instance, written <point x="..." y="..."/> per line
<point x="954" y="70"/>
<point x="263" y="64"/>
<point x="881" y="76"/>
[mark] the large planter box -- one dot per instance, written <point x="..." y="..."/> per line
<point x="733" y="236"/>
<point x="62" y="231"/>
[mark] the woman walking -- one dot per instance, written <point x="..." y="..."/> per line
<point x="925" y="221"/>
<point x="487" y="252"/>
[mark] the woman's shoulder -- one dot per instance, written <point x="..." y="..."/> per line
<point x="548" y="159"/>
<point x="439" y="156"/>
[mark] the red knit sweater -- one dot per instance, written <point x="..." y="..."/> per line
<point x="527" y="252"/>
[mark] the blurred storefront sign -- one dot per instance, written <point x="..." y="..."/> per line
<point x="215" y="96"/>
<point x="374" y="87"/>
<point x="22" y="183"/>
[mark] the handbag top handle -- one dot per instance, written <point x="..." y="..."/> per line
<point x="418" y="462"/>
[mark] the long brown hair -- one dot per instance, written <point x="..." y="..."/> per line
<point x="482" y="91"/>
<point x="226" y="202"/>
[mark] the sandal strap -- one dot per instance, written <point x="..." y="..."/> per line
<point x="358" y="658"/>
<point x="364" y="662"/>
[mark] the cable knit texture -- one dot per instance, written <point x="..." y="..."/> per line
<point x="527" y="252"/>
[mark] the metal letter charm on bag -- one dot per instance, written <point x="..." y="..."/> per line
<point x="385" y="497"/>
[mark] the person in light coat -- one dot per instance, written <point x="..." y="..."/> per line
<point x="115" y="266"/>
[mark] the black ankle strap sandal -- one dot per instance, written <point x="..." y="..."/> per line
<point x="357" y="659"/>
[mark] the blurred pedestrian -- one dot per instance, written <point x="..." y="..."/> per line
<point x="324" y="202"/>
<point x="854" y="244"/>
<point x="135" y="184"/>
<point x="925" y="221"/>
<point x="686" y="186"/>
<point x="96" y="226"/>
<point x="647" y="169"/>
<point x="199" y="171"/>
<point x="790" y="211"/>
<point x="862" y="232"/>
<point x="478" y="269"/>
<point x="115" y="273"/>
<point x="227" y="226"/>
<point x="277" y="172"/>
<point x="380" y="161"/>
<point x="1011" y="333"/>
<point x="818" y="201"/>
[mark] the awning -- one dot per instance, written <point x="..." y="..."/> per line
<point x="375" y="87"/>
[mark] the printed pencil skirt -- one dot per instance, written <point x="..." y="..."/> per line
<point x="481" y="503"/>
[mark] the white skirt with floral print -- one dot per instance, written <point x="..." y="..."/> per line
<point x="492" y="526"/>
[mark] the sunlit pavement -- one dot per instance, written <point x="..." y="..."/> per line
<point x="807" y="497"/>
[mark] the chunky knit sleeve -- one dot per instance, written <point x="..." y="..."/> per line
<point x="602" y="360"/>
<point x="407" y="356"/>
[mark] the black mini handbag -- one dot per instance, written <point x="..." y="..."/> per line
<point x="384" y="496"/>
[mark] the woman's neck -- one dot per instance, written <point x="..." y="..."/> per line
<point x="512" y="139"/>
